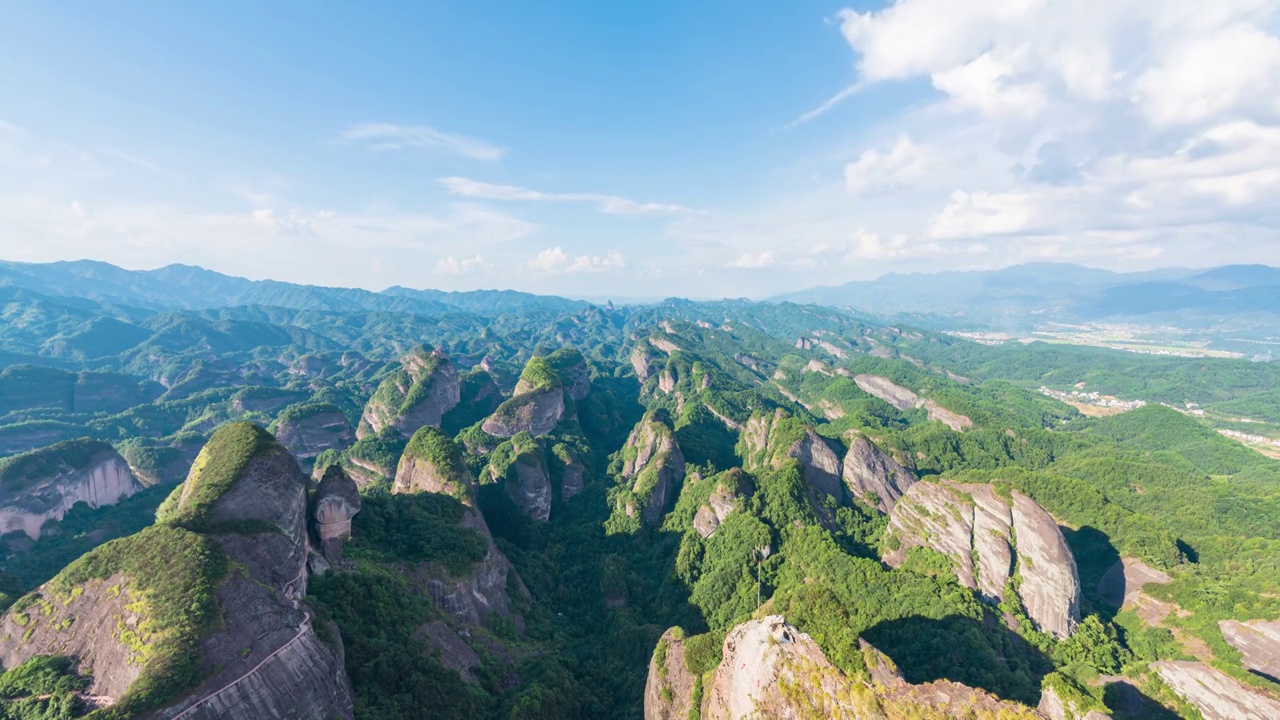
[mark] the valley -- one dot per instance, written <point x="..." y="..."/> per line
<point x="406" y="505"/>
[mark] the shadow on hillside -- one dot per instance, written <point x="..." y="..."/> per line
<point x="1127" y="702"/>
<point x="984" y="655"/>
<point x="1095" y="555"/>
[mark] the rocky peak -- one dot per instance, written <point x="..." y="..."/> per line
<point x="771" y="440"/>
<point x="337" y="500"/>
<point x="309" y="429"/>
<point x="904" y="399"/>
<point x="535" y="408"/>
<point x="1258" y="642"/>
<point x="569" y="364"/>
<point x="432" y="462"/>
<point x="418" y="393"/>
<point x="1215" y="694"/>
<point x="654" y="464"/>
<point x="44" y="484"/>
<point x="668" y="692"/>
<point x="976" y="529"/>
<point x="725" y="499"/>
<point x="226" y="565"/>
<point x="520" y="464"/>
<point x="873" y="475"/>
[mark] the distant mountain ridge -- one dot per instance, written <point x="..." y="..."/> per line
<point x="187" y="287"/>
<point x="1029" y="295"/>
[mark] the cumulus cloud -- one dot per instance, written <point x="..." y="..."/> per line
<point x="556" y="261"/>
<point x="454" y="266"/>
<point x="1126" y="130"/>
<point x="610" y="204"/>
<point x="387" y="136"/>
<point x="903" y="162"/>
<point x="748" y="260"/>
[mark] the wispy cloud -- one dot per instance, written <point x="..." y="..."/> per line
<point x="831" y="102"/>
<point x="464" y="266"/>
<point x="386" y="136"/>
<point x="136" y="161"/>
<point x="611" y="204"/>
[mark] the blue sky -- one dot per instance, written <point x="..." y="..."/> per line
<point x="669" y="148"/>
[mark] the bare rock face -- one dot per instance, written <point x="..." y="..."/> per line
<point x="308" y="430"/>
<point x="873" y="475"/>
<point x="536" y="413"/>
<point x="723" y="502"/>
<point x="432" y="462"/>
<point x="571" y="367"/>
<point x="1258" y="642"/>
<point x="654" y="464"/>
<point x="244" y="499"/>
<point x="642" y="359"/>
<point x="976" y="528"/>
<point x="44" y="484"/>
<point x="1121" y="585"/>
<point x="904" y="399"/>
<point x="426" y="386"/>
<point x="1217" y="695"/>
<point x="337" y="500"/>
<point x="772" y="440"/>
<point x="524" y="475"/>
<point x="572" y="474"/>
<point x="772" y="670"/>
<point x="668" y="692"/>
<point x="1054" y="707"/>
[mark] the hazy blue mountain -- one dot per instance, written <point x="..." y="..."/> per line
<point x="1030" y="295"/>
<point x="186" y="287"/>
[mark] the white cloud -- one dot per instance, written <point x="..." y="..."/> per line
<point x="748" y="260"/>
<point x="981" y="214"/>
<point x="610" y="204"/>
<point x="903" y="162"/>
<point x="556" y="261"/>
<point x="386" y="136"/>
<point x="1205" y="75"/>
<point x="454" y="266"/>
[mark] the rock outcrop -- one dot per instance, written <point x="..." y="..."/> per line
<point x="520" y="464"/>
<point x="42" y="485"/>
<point x="434" y="464"/>
<point x="231" y="545"/>
<point x="336" y="501"/>
<point x="976" y="529"/>
<point x="668" y="692"/>
<point x="538" y="402"/>
<point x="773" y="440"/>
<point x="310" y="429"/>
<point x="1258" y="642"/>
<point x="725" y="499"/>
<point x="1055" y="707"/>
<point x="653" y="464"/>
<point x="572" y="472"/>
<point x="873" y="475"/>
<point x="1217" y="695"/>
<point x="571" y="367"/>
<point x="419" y="393"/>
<point x="772" y="670"/>
<point x="904" y="399"/>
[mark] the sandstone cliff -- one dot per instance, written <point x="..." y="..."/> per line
<point x="310" y="429"/>
<point x="653" y="465"/>
<point x="1258" y="642"/>
<point x="537" y="413"/>
<point x="419" y="393"/>
<point x="905" y="399"/>
<point x="200" y="616"/>
<point x="772" y="670"/>
<point x="42" y="485"/>
<point x="336" y="501"/>
<point x="1215" y="694"/>
<point x="771" y="440"/>
<point x="520" y="464"/>
<point x="873" y="475"/>
<point x="976" y="529"/>
<point x="668" y="692"/>
<point x="434" y="464"/>
<point x="725" y="498"/>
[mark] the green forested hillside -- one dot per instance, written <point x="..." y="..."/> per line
<point x="687" y="403"/>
